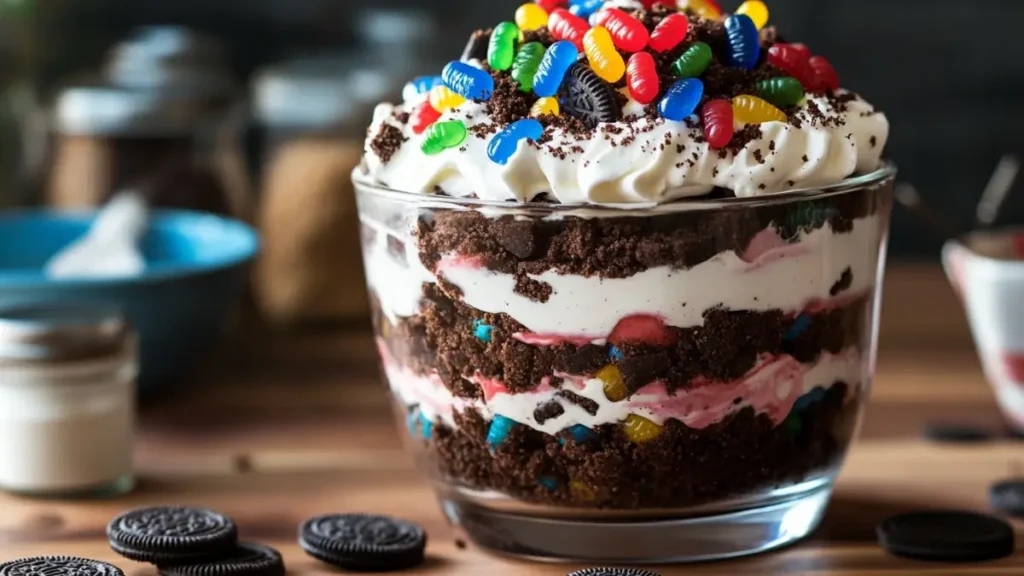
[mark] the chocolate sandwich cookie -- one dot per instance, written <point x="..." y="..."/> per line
<point x="58" y="566"/>
<point x="247" y="559"/>
<point x="584" y="95"/>
<point x="363" y="542"/>
<point x="947" y="536"/>
<point x="476" y="46"/>
<point x="613" y="572"/>
<point x="171" y="535"/>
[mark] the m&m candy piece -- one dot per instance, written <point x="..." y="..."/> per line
<point x="550" y="6"/>
<point x="580" y="433"/>
<point x="824" y="74"/>
<point x="502" y="49"/>
<point x="604" y="59"/>
<point x="639" y="429"/>
<point x="615" y="353"/>
<point x="718" y="128"/>
<point x="785" y="91"/>
<point x="531" y="17"/>
<point x="423" y="117"/>
<point x="800" y="325"/>
<point x="483" y="331"/>
<point x="443" y="99"/>
<point x="468" y="81"/>
<point x="566" y="26"/>
<point x="627" y="32"/>
<point x="682" y="99"/>
<point x="757" y="11"/>
<point x="545" y="106"/>
<point x="418" y="86"/>
<point x="506" y="142"/>
<point x="753" y="110"/>
<point x="499" y="430"/>
<point x="704" y="8"/>
<point x="581" y="492"/>
<point x="553" y="66"/>
<point x="744" y="41"/>
<point x="792" y="61"/>
<point x="642" y="78"/>
<point x="693" y="62"/>
<point x="525" y="65"/>
<point x="442" y="136"/>
<point x="549" y="482"/>
<point x="585" y="8"/>
<point x="669" y="33"/>
<point x="614" y="386"/>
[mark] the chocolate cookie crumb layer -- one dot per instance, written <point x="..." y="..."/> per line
<point x="741" y="455"/>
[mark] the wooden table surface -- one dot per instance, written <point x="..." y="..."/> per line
<point x="285" y="427"/>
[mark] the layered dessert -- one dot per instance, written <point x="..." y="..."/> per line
<point x="626" y="256"/>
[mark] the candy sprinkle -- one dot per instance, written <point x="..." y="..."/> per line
<point x="524" y="67"/>
<point x="468" y="81"/>
<point x="545" y="106"/>
<point x="506" y="142"/>
<point x="531" y="17"/>
<point x="785" y="91"/>
<point x="604" y="59"/>
<point x="693" y="62"/>
<point x="502" y="48"/>
<point x="753" y="110"/>
<point x="744" y="41"/>
<point x="682" y="99"/>
<point x="443" y="135"/>
<point x="443" y="99"/>
<point x="757" y="11"/>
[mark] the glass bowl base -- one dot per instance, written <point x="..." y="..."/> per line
<point x="664" y="540"/>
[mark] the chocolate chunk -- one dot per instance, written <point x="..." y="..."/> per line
<point x="533" y="289"/>
<point x="639" y="371"/>
<point x="584" y="95"/>
<point x="517" y="236"/>
<point x="589" y="406"/>
<point x="587" y="360"/>
<point x="547" y="411"/>
<point x="844" y="282"/>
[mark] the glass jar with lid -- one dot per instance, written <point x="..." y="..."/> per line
<point x="311" y="116"/>
<point x="160" y="118"/>
<point x="67" y="401"/>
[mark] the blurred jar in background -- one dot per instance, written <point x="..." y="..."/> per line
<point x="164" y="118"/>
<point x="313" y="124"/>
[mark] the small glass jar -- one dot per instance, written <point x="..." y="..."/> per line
<point x="159" y="119"/>
<point x="67" y="401"/>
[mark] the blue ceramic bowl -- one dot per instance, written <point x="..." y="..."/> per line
<point x="196" y="269"/>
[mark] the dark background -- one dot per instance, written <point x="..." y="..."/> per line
<point x="952" y="93"/>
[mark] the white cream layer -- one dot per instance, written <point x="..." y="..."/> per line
<point x="642" y="161"/>
<point x="788" y="278"/>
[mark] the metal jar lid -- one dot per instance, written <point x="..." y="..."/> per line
<point x="51" y="334"/>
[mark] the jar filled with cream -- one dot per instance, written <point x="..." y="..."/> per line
<point x="67" y="401"/>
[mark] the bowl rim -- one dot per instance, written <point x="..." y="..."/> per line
<point x="249" y="245"/>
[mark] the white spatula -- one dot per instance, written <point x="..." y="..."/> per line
<point x="111" y="247"/>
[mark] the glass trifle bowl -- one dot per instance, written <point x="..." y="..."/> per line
<point x="641" y="385"/>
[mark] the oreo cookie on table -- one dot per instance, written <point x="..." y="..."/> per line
<point x="584" y="95"/>
<point x="246" y="559"/>
<point x="171" y="535"/>
<point x="947" y="536"/>
<point x="58" y="566"/>
<point x="613" y="572"/>
<point x="363" y="542"/>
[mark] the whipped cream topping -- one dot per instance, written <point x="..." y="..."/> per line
<point x="641" y="160"/>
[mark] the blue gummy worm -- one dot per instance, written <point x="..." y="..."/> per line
<point x="553" y="66"/>
<point x="504" y="145"/>
<point x="468" y="81"/>
<point x="682" y="99"/>
<point x="744" y="41"/>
